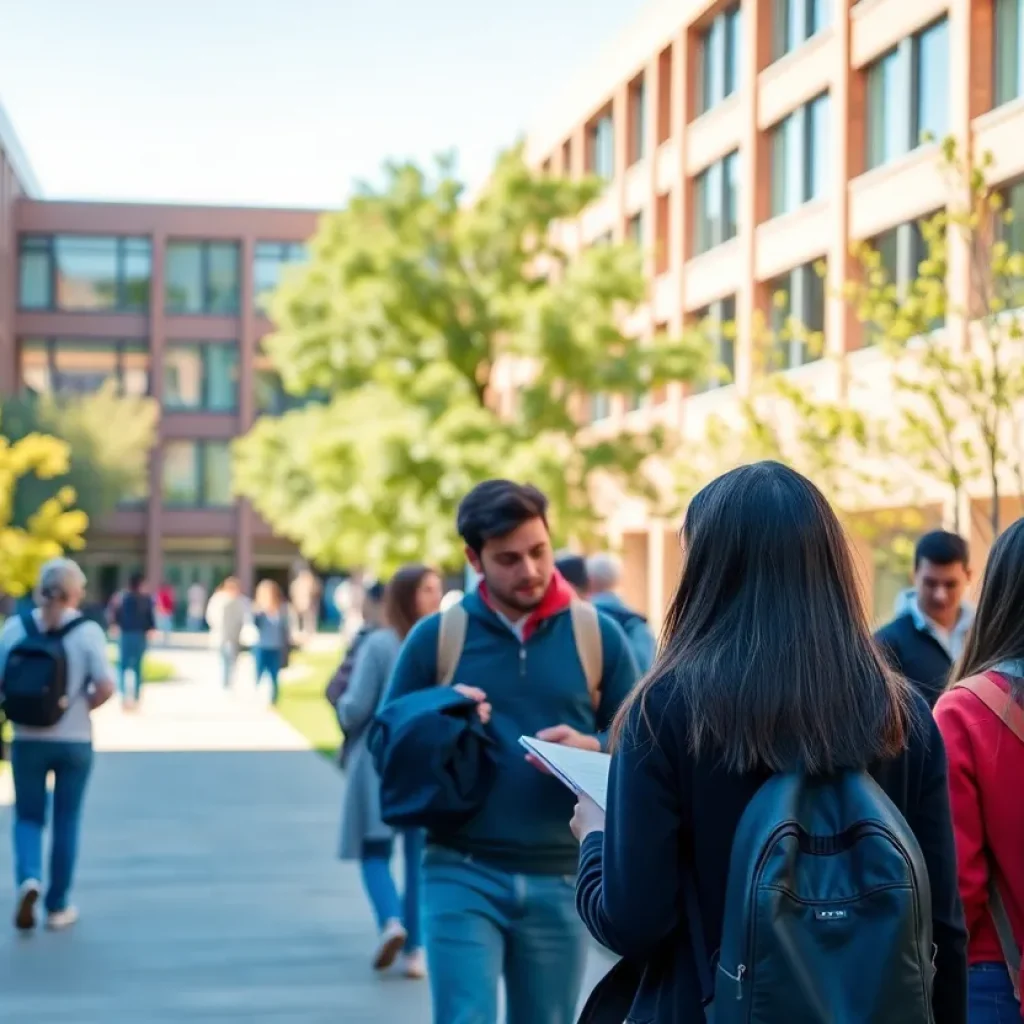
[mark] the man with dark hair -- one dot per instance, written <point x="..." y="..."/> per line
<point x="932" y="620"/>
<point x="498" y="891"/>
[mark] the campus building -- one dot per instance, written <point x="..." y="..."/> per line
<point x="745" y="142"/>
<point x="165" y="300"/>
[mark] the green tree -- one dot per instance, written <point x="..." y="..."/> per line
<point x="416" y="310"/>
<point x="109" y="436"/>
<point x="54" y="527"/>
<point x="959" y="396"/>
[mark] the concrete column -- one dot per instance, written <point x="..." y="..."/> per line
<point x="680" y="201"/>
<point x="247" y="345"/>
<point x="656" y="581"/>
<point x="157" y="339"/>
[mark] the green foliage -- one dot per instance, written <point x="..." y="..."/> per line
<point x="414" y="312"/>
<point x="109" y="439"/>
<point x="54" y="527"/>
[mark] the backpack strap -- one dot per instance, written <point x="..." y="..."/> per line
<point x="28" y="621"/>
<point x="69" y="627"/>
<point x="451" y="638"/>
<point x="1009" y="712"/>
<point x="586" y="631"/>
<point x="695" y="924"/>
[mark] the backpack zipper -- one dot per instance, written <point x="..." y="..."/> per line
<point x="522" y="661"/>
<point x="737" y="977"/>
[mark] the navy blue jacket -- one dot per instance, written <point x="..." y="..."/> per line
<point x="917" y="655"/>
<point x="667" y="810"/>
<point x="523" y="826"/>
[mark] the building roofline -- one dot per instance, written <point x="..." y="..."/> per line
<point x="10" y="144"/>
<point x="181" y="206"/>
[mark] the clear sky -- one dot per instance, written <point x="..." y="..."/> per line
<point x="279" y="102"/>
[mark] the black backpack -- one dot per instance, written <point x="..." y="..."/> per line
<point x="828" y="914"/>
<point x="35" y="683"/>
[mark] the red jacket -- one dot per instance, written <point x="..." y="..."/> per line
<point x="986" y="779"/>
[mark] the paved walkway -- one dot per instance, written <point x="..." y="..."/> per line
<point x="207" y="881"/>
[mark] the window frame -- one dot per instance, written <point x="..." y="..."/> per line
<point x="120" y="347"/>
<point x="796" y="22"/>
<point x="798" y="284"/>
<point x="800" y="125"/>
<point x="720" y="311"/>
<point x="204" y="350"/>
<point x="718" y="59"/>
<point x="200" y="447"/>
<point x="282" y="257"/>
<point x="1012" y="37"/>
<point x="597" y="144"/>
<point x="718" y="174"/>
<point x="204" y="245"/>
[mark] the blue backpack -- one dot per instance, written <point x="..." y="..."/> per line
<point x="828" y="914"/>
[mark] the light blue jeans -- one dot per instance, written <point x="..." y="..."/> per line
<point x="31" y="762"/>
<point x="382" y="891"/>
<point x="481" y="924"/>
<point x="132" y="652"/>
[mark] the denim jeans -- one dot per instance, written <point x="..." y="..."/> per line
<point x="228" y="658"/>
<point x="380" y="884"/>
<point x="31" y="762"/>
<point x="268" y="663"/>
<point x="133" y="650"/>
<point x="481" y="923"/>
<point x="990" y="995"/>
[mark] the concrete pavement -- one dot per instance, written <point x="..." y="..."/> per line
<point x="207" y="881"/>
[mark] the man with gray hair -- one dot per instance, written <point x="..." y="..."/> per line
<point x="604" y="574"/>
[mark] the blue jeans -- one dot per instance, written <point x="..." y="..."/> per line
<point x="31" y="762"/>
<point x="482" y="923"/>
<point x="380" y="885"/>
<point x="228" y="657"/>
<point x="133" y="649"/>
<point x="990" y="997"/>
<point x="268" y="663"/>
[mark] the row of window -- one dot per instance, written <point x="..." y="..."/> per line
<point x="93" y="274"/>
<point x="908" y="87"/>
<point x="197" y="377"/>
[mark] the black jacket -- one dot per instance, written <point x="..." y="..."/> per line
<point x="667" y="809"/>
<point x="917" y="655"/>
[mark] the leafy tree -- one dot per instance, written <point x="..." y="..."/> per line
<point x="959" y="399"/>
<point x="109" y="437"/>
<point x="419" y="311"/>
<point x="54" y="527"/>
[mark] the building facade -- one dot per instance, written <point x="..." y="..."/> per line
<point x="744" y="143"/>
<point x="166" y="301"/>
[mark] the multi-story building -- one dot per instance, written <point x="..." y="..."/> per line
<point x="165" y="300"/>
<point x="745" y="142"/>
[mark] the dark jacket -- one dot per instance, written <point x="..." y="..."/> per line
<point x="667" y="809"/>
<point x="531" y="686"/>
<point x="916" y="655"/>
<point x="134" y="613"/>
<point x="639" y="634"/>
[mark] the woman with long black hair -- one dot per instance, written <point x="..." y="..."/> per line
<point x="767" y="671"/>
<point x="982" y="721"/>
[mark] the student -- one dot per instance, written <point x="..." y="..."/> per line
<point x="274" y="634"/>
<point x="986" y="776"/>
<point x="766" y="665"/>
<point x="414" y="592"/>
<point x="604" y="573"/>
<point x="135" y="620"/>
<point x="498" y="898"/>
<point x="924" y="640"/>
<point x="65" y="749"/>
<point x="226" y="615"/>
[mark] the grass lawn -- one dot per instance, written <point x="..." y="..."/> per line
<point x="154" y="668"/>
<point x="302" y="703"/>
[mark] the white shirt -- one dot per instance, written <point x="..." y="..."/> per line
<point x="86" y="651"/>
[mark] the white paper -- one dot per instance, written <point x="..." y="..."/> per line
<point x="585" y="772"/>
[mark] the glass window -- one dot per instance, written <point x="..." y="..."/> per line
<point x="819" y="139"/>
<point x="221" y="377"/>
<point x="86" y="272"/>
<point x="216" y="473"/>
<point x="201" y="376"/>
<point x="80" y="368"/>
<point x="136" y="273"/>
<point x="797" y="20"/>
<point x="181" y="473"/>
<point x="36" y="378"/>
<point x="637" y="119"/>
<point x="720" y="51"/>
<point x="733" y="49"/>
<point x="1009" y="50"/>
<point x="35" y="273"/>
<point x="602" y="147"/>
<point x="222" y="285"/>
<point x="730" y="201"/>
<point x="635" y="229"/>
<point x="72" y="366"/>
<point x="931" y="84"/>
<point x="134" y="370"/>
<point x="798" y="308"/>
<point x="717" y="322"/>
<point x="183" y="377"/>
<point x="185" y="291"/>
<point x="787" y="164"/>
<point x="884" y="125"/>
<point x="269" y="262"/>
<point x="716" y="200"/>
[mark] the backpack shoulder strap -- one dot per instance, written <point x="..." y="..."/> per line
<point x="586" y="630"/>
<point x="451" y="638"/>
<point x="28" y="622"/>
<point x="995" y="698"/>
<point x="70" y="627"/>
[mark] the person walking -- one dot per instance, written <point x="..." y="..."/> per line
<point x="195" y="607"/>
<point x="924" y="640"/>
<point x="604" y="574"/>
<point x="63" y="748"/>
<point x="769" y="697"/>
<point x="272" y="619"/>
<point x="135" y="620"/>
<point x="164" y="609"/>
<point x="226" y="615"/>
<point x="414" y="592"/>
<point x="497" y="897"/>
<point x="981" y="717"/>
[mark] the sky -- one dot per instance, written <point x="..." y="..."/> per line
<point x="280" y="102"/>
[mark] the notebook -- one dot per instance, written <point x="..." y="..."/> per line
<point x="585" y="772"/>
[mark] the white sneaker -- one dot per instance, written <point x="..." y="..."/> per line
<point x="414" y="965"/>
<point x="28" y="897"/>
<point x="392" y="939"/>
<point x="58" y="920"/>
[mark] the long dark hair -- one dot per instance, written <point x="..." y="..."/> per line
<point x="767" y="641"/>
<point x="400" y="597"/>
<point x="997" y="633"/>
